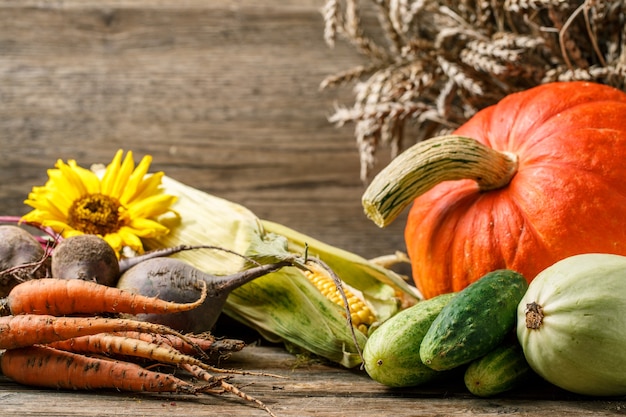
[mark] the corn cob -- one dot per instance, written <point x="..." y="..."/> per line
<point x="283" y="306"/>
<point x="377" y="283"/>
<point x="360" y="313"/>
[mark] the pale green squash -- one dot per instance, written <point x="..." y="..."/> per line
<point x="572" y="324"/>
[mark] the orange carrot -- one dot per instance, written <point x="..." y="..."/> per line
<point x="59" y="297"/>
<point x="30" y="329"/>
<point x="204" y="341"/>
<point x="113" y="345"/>
<point x="48" y="367"/>
<point x="45" y="366"/>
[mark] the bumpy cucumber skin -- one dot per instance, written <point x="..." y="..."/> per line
<point x="475" y="322"/>
<point x="391" y="353"/>
<point x="501" y="370"/>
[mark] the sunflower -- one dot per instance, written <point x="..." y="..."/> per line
<point x="121" y="207"/>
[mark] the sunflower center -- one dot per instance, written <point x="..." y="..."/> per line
<point x="96" y="214"/>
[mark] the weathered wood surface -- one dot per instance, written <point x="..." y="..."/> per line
<point x="309" y="390"/>
<point x="224" y="95"/>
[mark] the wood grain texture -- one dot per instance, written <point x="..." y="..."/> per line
<point x="224" y="95"/>
<point x="311" y="389"/>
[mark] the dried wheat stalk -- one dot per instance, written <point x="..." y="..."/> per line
<point x="440" y="61"/>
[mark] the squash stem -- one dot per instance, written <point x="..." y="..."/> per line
<point x="428" y="163"/>
<point x="534" y="316"/>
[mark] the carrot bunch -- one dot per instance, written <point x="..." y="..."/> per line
<point x="53" y="337"/>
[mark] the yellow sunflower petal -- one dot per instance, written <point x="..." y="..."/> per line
<point x="151" y="207"/>
<point x="146" y="228"/>
<point x="90" y="180"/>
<point x="135" y="180"/>
<point x="121" y="179"/>
<point x="39" y="190"/>
<point x="129" y="238"/>
<point x="115" y="241"/>
<point x="47" y="207"/>
<point x="34" y="216"/>
<point x="70" y="183"/>
<point x="108" y="180"/>
<point x="57" y="225"/>
<point x="56" y="202"/>
<point x="149" y="186"/>
<point x="70" y="232"/>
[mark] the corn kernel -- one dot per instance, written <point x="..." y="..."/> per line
<point x="360" y="314"/>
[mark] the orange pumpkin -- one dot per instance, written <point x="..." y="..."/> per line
<point x="536" y="178"/>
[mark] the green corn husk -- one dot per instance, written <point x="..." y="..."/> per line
<point x="377" y="284"/>
<point x="282" y="306"/>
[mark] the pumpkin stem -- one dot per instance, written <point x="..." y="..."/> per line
<point x="426" y="164"/>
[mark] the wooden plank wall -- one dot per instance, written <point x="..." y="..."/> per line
<point x="224" y="95"/>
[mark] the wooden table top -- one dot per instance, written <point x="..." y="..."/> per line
<point x="308" y="389"/>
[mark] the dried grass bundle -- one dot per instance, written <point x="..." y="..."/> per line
<point x="438" y="62"/>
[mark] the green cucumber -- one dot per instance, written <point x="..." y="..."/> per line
<point x="391" y="353"/>
<point x="502" y="369"/>
<point x="475" y="322"/>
